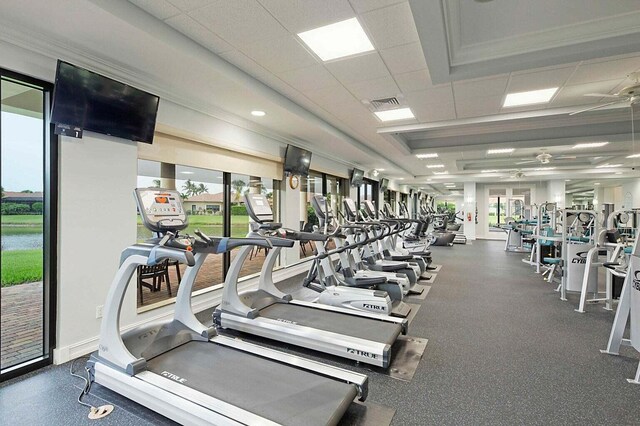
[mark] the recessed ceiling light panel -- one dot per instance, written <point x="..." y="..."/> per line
<point x="529" y="98"/>
<point x="501" y="151"/>
<point x="435" y="166"/>
<point x="344" y="38"/>
<point x="258" y="113"/>
<point x="422" y="156"/>
<point x="394" y="114"/>
<point x="606" y="166"/>
<point x="633" y="156"/>
<point x="589" y="145"/>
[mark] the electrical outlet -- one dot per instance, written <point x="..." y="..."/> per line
<point x="99" y="311"/>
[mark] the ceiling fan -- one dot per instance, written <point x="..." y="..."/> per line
<point x="629" y="94"/>
<point x="518" y="174"/>
<point x="545" y="158"/>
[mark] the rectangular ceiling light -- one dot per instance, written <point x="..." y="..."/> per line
<point x="435" y="166"/>
<point x="441" y="173"/>
<point x="529" y="98"/>
<point x="488" y="171"/>
<point x="589" y="145"/>
<point x="344" y="38"/>
<point x="394" y="114"/>
<point x="606" y="166"/>
<point x="542" y="169"/>
<point x="501" y="151"/>
<point x="422" y="156"/>
<point x="633" y="156"/>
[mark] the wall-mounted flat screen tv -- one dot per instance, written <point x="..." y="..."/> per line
<point x="84" y="99"/>
<point x="296" y="161"/>
<point x="357" y="177"/>
<point x="384" y="184"/>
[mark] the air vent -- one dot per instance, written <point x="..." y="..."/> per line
<point x="385" y="103"/>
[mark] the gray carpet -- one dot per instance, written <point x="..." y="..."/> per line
<point x="503" y="349"/>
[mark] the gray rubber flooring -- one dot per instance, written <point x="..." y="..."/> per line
<point x="503" y="350"/>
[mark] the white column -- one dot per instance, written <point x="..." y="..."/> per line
<point x="556" y="192"/>
<point x="290" y="208"/>
<point x="598" y="198"/>
<point x="469" y="208"/>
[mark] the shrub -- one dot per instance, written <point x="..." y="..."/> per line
<point x="311" y="216"/>
<point x="37" y="208"/>
<point x="14" y="208"/>
<point x="239" y="210"/>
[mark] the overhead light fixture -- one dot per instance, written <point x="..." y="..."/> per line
<point x="596" y="183"/>
<point x="258" y="113"/>
<point x="441" y="173"/>
<point x="607" y="166"/>
<point x="567" y="180"/>
<point x="500" y="151"/>
<point x="633" y="156"/>
<point x="187" y="173"/>
<point x="380" y="170"/>
<point x="375" y="173"/>
<point x="422" y="156"/>
<point x="400" y="178"/>
<point x="589" y="145"/>
<point x="333" y="41"/>
<point x="488" y="171"/>
<point x="617" y="173"/>
<point x="529" y="98"/>
<point x="435" y="166"/>
<point x="394" y="114"/>
<point x="541" y="169"/>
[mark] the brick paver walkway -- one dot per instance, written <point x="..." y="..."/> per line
<point x="21" y="326"/>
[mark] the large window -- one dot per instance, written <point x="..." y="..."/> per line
<point x="214" y="202"/>
<point x="369" y="191"/>
<point x="27" y="263"/>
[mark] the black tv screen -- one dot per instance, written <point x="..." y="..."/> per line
<point x="357" y="177"/>
<point x="384" y="184"/>
<point x="84" y="99"/>
<point x="297" y="161"/>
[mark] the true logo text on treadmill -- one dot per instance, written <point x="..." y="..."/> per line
<point x="173" y="377"/>
<point x="370" y="306"/>
<point x="362" y="353"/>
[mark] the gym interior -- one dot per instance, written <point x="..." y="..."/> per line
<point x="306" y="212"/>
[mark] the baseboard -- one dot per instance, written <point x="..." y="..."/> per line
<point x="200" y="303"/>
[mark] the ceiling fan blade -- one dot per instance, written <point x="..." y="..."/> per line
<point x="601" y="95"/>
<point x="595" y="107"/>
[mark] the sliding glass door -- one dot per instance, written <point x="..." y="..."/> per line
<point x="27" y="257"/>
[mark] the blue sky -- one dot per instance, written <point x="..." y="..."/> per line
<point x="22" y="154"/>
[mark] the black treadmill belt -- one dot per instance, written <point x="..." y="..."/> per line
<point x="269" y="389"/>
<point x="349" y="325"/>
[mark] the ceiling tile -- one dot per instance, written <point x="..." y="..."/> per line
<point x="413" y="81"/>
<point x="362" y="6"/>
<point x="430" y="113"/>
<point x="161" y="9"/>
<point x="188" y="5"/>
<point x="608" y="70"/>
<point x="245" y="63"/>
<point x="433" y="96"/>
<point x="239" y="22"/>
<point x="329" y="96"/>
<point x="404" y="58"/>
<point x="374" y="89"/>
<point x="478" y="107"/>
<point x="357" y="68"/>
<point x="480" y="88"/>
<point x="282" y="54"/>
<point x="189" y="27"/>
<point x="539" y="79"/>
<point x="574" y="95"/>
<point x="303" y="15"/>
<point x="391" y="26"/>
<point x="309" y="78"/>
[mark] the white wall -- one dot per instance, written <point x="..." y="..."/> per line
<point x="631" y="194"/>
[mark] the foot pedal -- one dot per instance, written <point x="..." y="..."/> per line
<point x="100" y="412"/>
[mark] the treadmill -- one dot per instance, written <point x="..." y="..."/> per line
<point x="184" y="370"/>
<point x="361" y="336"/>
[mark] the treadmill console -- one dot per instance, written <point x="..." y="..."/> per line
<point x="161" y="209"/>
<point x="369" y="208"/>
<point x="350" y="208"/>
<point x="319" y="203"/>
<point x="258" y="208"/>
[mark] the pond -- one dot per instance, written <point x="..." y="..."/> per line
<point x="21" y="238"/>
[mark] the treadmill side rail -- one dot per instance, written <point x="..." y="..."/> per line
<point x="360" y="381"/>
<point x="362" y="350"/>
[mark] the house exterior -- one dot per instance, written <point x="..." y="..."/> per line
<point x="205" y="203"/>
<point x="22" y="197"/>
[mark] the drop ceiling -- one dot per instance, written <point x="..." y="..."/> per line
<point x="451" y="61"/>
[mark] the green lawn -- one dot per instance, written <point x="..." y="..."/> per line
<point x="208" y="224"/>
<point x="21" y="266"/>
<point x="22" y="219"/>
<point x="210" y="219"/>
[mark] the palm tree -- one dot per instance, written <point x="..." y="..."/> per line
<point x="189" y="188"/>
<point x="156" y="183"/>
<point x="202" y="189"/>
<point x="237" y="185"/>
